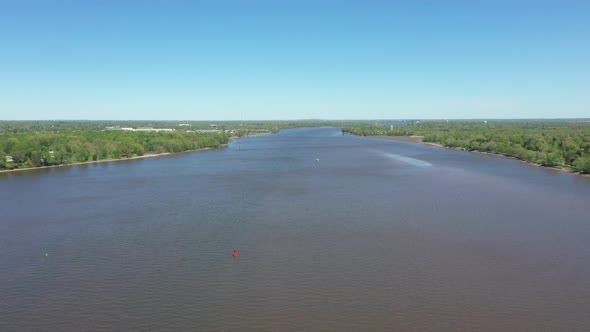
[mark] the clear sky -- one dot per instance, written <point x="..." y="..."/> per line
<point x="224" y="60"/>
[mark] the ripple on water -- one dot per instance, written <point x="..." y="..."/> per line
<point x="358" y="241"/>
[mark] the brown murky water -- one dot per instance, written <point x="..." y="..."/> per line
<point x="375" y="235"/>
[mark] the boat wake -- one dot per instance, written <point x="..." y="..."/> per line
<point x="407" y="160"/>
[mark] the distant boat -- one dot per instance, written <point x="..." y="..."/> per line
<point x="317" y="159"/>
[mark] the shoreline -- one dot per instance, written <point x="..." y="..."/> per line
<point x="235" y="138"/>
<point x="148" y="155"/>
<point x="418" y="139"/>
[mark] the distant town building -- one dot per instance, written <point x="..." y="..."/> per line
<point x="208" y="131"/>
<point x="140" y="129"/>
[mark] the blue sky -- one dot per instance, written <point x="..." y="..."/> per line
<point x="223" y="60"/>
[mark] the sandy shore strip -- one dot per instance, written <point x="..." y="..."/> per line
<point x="419" y="139"/>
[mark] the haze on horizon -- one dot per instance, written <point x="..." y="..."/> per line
<point x="270" y="60"/>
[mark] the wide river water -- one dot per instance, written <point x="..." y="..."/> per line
<point x="373" y="235"/>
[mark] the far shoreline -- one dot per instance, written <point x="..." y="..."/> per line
<point x="419" y="140"/>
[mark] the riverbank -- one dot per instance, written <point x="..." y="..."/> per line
<point x="412" y="139"/>
<point x="149" y="155"/>
<point x="246" y="136"/>
<point x="420" y="139"/>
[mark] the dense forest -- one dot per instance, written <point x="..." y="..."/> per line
<point x="47" y="149"/>
<point x="558" y="143"/>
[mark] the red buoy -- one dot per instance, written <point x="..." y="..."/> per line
<point x="235" y="254"/>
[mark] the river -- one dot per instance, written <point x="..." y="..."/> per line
<point x="334" y="232"/>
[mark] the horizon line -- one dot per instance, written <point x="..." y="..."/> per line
<point x="298" y="120"/>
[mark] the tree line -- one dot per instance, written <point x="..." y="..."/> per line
<point x="57" y="142"/>
<point x="47" y="149"/>
<point x="57" y="126"/>
<point x="562" y="144"/>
